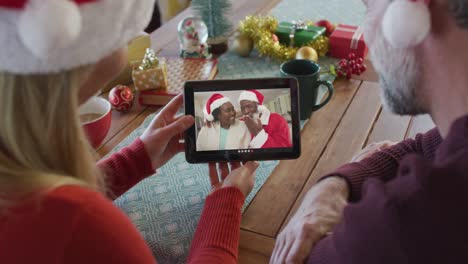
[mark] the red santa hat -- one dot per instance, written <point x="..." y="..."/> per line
<point x="406" y="23"/>
<point x="45" y="36"/>
<point x="214" y="102"/>
<point x="254" y="96"/>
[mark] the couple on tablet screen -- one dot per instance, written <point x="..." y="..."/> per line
<point x="257" y="127"/>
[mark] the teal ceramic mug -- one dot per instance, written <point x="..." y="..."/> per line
<point x="307" y="74"/>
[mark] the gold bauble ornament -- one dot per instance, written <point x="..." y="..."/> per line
<point x="307" y="53"/>
<point x="242" y="45"/>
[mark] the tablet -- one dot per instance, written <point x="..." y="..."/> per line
<point x="242" y="120"/>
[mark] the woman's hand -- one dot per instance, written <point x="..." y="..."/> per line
<point x="161" y="138"/>
<point x="319" y="212"/>
<point x="241" y="177"/>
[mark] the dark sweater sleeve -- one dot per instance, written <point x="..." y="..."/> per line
<point x="126" y="168"/>
<point x="366" y="235"/>
<point x="418" y="217"/>
<point x="384" y="164"/>
<point x="217" y="236"/>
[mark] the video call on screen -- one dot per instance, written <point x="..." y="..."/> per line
<point x="229" y="129"/>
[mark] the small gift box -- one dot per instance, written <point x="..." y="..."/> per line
<point x="151" y="74"/>
<point x="136" y="52"/>
<point x="347" y="39"/>
<point x="298" y="32"/>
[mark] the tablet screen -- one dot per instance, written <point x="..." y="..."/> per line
<point x="232" y="123"/>
<point x="240" y="120"/>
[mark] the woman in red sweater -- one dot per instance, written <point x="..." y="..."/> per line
<point x="54" y="205"/>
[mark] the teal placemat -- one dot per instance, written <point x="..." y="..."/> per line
<point x="166" y="207"/>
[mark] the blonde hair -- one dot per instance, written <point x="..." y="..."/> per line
<point x="42" y="144"/>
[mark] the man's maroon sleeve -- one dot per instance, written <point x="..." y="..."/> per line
<point x="384" y="164"/>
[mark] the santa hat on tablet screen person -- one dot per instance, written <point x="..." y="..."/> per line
<point x="268" y="130"/>
<point x="225" y="131"/>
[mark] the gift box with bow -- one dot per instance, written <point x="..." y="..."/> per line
<point x="136" y="52"/>
<point x="151" y="74"/>
<point x="298" y="34"/>
<point x="347" y="39"/>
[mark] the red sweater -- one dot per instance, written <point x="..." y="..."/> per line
<point x="409" y="204"/>
<point x="72" y="224"/>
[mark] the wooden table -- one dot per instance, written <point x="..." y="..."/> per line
<point x="352" y="119"/>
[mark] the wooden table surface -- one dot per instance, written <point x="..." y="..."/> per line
<point x="352" y="119"/>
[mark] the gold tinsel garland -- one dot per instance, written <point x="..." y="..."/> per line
<point x="261" y="29"/>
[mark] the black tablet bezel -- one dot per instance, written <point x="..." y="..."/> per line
<point x="194" y="156"/>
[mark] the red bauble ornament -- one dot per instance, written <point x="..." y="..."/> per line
<point x="327" y="25"/>
<point x="121" y="98"/>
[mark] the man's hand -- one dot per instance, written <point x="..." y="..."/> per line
<point x="254" y="125"/>
<point x="242" y="178"/>
<point x="161" y="138"/>
<point x="371" y="149"/>
<point x="319" y="212"/>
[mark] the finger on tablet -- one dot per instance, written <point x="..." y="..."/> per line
<point x="235" y="165"/>
<point x="224" y="170"/>
<point x="214" y="178"/>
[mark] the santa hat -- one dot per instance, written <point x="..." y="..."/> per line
<point x="254" y="96"/>
<point x="46" y="36"/>
<point x="214" y="102"/>
<point x="407" y="23"/>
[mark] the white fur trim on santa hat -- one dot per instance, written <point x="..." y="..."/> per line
<point x="214" y="105"/>
<point x="248" y="96"/>
<point x="218" y="103"/>
<point x="106" y="25"/>
<point x="47" y="26"/>
<point x="251" y="96"/>
<point x="406" y="23"/>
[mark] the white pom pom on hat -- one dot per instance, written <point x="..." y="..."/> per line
<point x="406" y="23"/>
<point x="50" y="36"/>
<point x="209" y="118"/>
<point x="46" y="26"/>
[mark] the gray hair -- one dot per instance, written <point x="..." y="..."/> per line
<point x="459" y="9"/>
